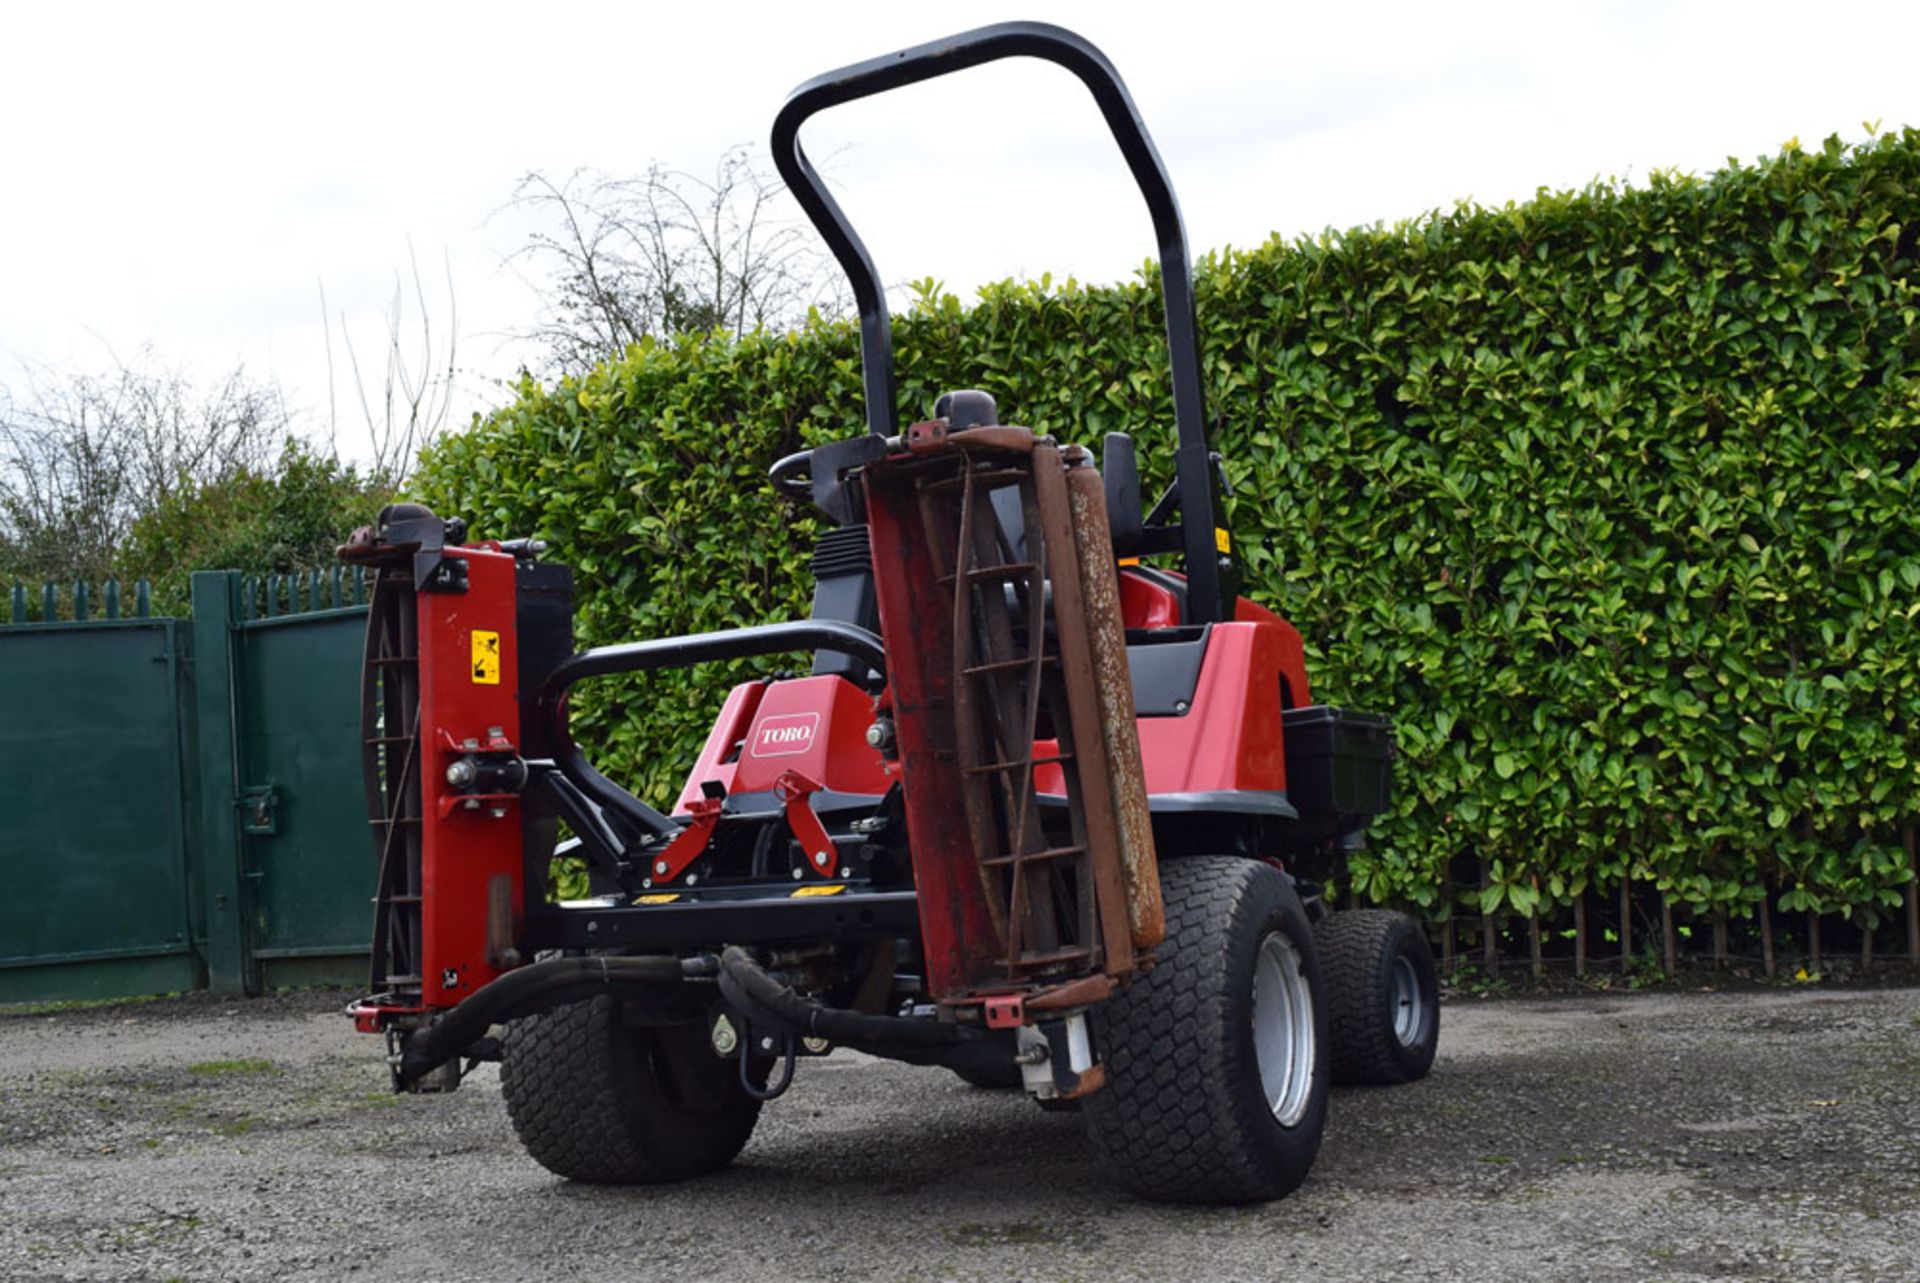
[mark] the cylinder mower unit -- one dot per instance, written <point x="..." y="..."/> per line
<point x="1041" y="813"/>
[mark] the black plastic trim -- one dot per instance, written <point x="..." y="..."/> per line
<point x="712" y="920"/>
<point x="1165" y="672"/>
<point x="1271" y="804"/>
<point x="761" y="804"/>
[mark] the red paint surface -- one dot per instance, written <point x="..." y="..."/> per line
<point x="463" y="849"/>
<point x="1145" y="604"/>
<point x="689" y="844"/>
<point x="1293" y="654"/>
<point x="724" y="743"/>
<point x="812" y="726"/>
<point x="1230" y="738"/>
<point x="793" y="789"/>
<point x="956" y="928"/>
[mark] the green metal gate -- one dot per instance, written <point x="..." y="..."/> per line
<point x="101" y="895"/>
<point x="293" y="824"/>
<point x="183" y="800"/>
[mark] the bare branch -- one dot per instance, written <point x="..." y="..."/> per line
<point x="84" y="456"/>
<point x="415" y="395"/>
<point x="664" y="253"/>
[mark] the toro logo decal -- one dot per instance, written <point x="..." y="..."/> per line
<point x="786" y="735"/>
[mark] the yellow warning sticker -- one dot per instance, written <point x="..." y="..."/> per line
<point x="486" y="658"/>
<point x="1222" y="541"/>
<point x="806" y="893"/>
<point x="658" y="898"/>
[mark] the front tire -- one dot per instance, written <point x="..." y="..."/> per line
<point x="1216" y="1067"/>
<point x="594" y="1099"/>
<point x="1383" y="996"/>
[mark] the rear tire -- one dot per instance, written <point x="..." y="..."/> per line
<point x="594" y="1099"/>
<point x="1212" y="1097"/>
<point x="1383" y="996"/>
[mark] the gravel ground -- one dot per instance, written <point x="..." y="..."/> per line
<point x="1673" y="1136"/>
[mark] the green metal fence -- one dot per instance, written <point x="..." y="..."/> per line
<point x="183" y="798"/>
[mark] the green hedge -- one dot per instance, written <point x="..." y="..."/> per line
<point x="1608" y="498"/>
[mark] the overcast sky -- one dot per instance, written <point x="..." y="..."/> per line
<point x="190" y="176"/>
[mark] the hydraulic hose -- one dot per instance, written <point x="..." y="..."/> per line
<point x="747" y="985"/>
<point x="743" y="982"/>
<point x="535" y="987"/>
<point x="765" y="1001"/>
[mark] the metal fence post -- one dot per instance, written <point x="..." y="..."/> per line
<point x="230" y="963"/>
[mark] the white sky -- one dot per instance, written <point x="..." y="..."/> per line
<point x="187" y="176"/>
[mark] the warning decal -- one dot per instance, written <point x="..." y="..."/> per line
<point x="486" y="658"/>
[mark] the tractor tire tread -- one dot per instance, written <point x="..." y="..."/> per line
<point x="1168" y="1124"/>
<point x="1356" y="948"/>
<point x="585" y="1107"/>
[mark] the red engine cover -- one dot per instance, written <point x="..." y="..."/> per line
<point x="813" y="726"/>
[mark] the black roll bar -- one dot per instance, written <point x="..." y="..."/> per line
<point x="677" y="652"/>
<point x="1209" y="569"/>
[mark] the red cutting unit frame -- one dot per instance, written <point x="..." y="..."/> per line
<point x="469" y="708"/>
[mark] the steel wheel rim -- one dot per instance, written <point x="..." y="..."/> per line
<point x="1409" y="1004"/>
<point x="1283" y="1043"/>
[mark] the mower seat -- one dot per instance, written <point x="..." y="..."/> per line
<point x="1119" y="471"/>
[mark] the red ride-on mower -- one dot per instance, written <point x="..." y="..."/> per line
<point x="1042" y="814"/>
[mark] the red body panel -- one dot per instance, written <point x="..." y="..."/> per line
<point x="815" y="727"/>
<point x="724" y="743"/>
<point x="1230" y="738"/>
<point x="465" y="841"/>
<point x="1145" y="604"/>
<point x="1293" y="654"/>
